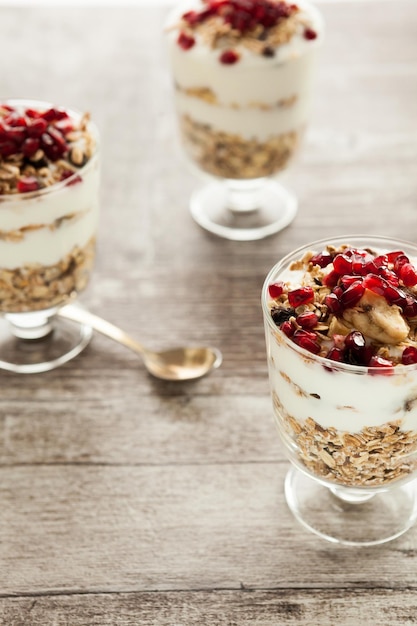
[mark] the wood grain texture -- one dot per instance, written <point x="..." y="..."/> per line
<point x="125" y="500"/>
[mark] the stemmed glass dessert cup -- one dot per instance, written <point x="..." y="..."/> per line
<point x="243" y="74"/>
<point x="342" y="358"/>
<point x="49" y="203"/>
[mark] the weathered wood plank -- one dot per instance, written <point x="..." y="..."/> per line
<point x="180" y="527"/>
<point x="216" y="608"/>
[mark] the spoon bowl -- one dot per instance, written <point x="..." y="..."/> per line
<point x="183" y="363"/>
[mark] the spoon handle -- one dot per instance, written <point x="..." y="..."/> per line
<point x="77" y="314"/>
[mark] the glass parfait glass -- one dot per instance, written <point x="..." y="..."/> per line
<point x="49" y="181"/>
<point x="243" y="94"/>
<point x="349" y="430"/>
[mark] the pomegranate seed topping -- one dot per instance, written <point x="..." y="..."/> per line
<point x="388" y="275"/>
<point x="15" y="120"/>
<point x="386" y="366"/>
<point x="355" y="340"/>
<point x="52" y="115"/>
<point x="303" y="295"/>
<point x="32" y="113"/>
<point x="400" y="261"/>
<point x="410" y="307"/>
<point x="408" y="274"/>
<point x="192" y="17"/>
<point x="409" y="355"/>
<point x="347" y="280"/>
<point x="338" y="291"/>
<point x="37" y="128"/>
<point x="7" y="148"/>
<point x="306" y="340"/>
<point x="335" y="354"/>
<point x="229" y="57"/>
<point x="342" y="264"/>
<point x="375" y="283"/>
<point x="276" y="289"/>
<point x="395" y="296"/>
<point x="333" y="303"/>
<point x="7" y="107"/>
<point x="287" y="328"/>
<point x="26" y="184"/>
<point x="17" y="134"/>
<point x="185" y="41"/>
<point x="392" y="256"/>
<point x="331" y="279"/>
<point x="307" y="320"/>
<point x="352" y="295"/>
<point x="67" y="174"/>
<point x="310" y="34"/>
<point x="30" y="146"/>
<point x="322" y="259"/>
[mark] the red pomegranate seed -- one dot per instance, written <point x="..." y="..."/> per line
<point x="400" y="261"/>
<point x="307" y="320"/>
<point x="15" y="120"/>
<point x="52" y="114"/>
<point x="338" y="291"/>
<point x="30" y="146"/>
<point x="392" y="256"/>
<point x="32" y="113"/>
<point x="310" y="34"/>
<point x="287" y="328"/>
<point x="331" y="279"/>
<point x="393" y="295"/>
<point x="26" y="184"/>
<point x="347" y="280"/>
<point x="67" y="174"/>
<point x="322" y="259"/>
<point x="409" y="355"/>
<point x="276" y="289"/>
<point x="306" y="340"/>
<point x="335" y="354"/>
<point x="410" y="307"/>
<point x="7" y="107"/>
<point x="355" y="340"/>
<point x="303" y="295"/>
<point x="352" y="295"/>
<point x="185" y="41"/>
<point x="229" y="57"/>
<point x="192" y="17"/>
<point x="375" y="283"/>
<point x="342" y="264"/>
<point x="388" y="275"/>
<point x="7" y="148"/>
<point x="333" y="303"/>
<point x="37" y="127"/>
<point x="384" y="365"/>
<point x="17" y="134"/>
<point x="58" y="140"/>
<point x="408" y="274"/>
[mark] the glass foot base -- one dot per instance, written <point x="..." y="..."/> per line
<point x="30" y="356"/>
<point x="384" y="516"/>
<point x="269" y="208"/>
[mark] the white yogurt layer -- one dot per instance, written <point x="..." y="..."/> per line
<point x="347" y="401"/>
<point x="48" y="244"/>
<point x="254" y="78"/>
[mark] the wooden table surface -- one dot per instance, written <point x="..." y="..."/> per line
<point x="126" y="501"/>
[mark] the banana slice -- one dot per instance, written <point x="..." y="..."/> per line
<point x="377" y="320"/>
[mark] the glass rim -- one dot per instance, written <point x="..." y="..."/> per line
<point x="305" y="354"/>
<point x="39" y="193"/>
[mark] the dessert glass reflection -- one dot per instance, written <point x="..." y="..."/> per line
<point x="49" y="185"/>
<point x="341" y="334"/>
<point x="243" y="73"/>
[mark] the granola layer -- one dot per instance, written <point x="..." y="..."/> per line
<point x="36" y="287"/>
<point x="231" y="156"/>
<point x="374" y="456"/>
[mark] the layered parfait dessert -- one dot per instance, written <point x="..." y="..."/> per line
<point x="243" y="71"/>
<point x="341" y="331"/>
<point x="49" y="181"/>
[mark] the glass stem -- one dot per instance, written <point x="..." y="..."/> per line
<point x="34" y="325"/>
<point x="352" y="496"/>
<point x="243" y="195"/>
